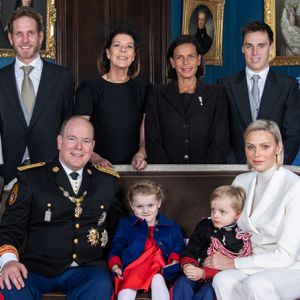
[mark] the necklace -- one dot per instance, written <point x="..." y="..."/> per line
<point x="76" y="200"/>
<point x="115" y="81"/>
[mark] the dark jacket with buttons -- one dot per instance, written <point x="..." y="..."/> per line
<point x="197" y="248"/>
<point x="130" y="238"/>
<point x="200" y="240"/>
<point x="50" y="246"/>
<point x="196" y="134"/>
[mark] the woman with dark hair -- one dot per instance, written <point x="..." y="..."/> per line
<point x="186" y="120"/>
<point x="114" y="103"/>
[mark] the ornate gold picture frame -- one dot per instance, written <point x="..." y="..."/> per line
<point x="283" y="16"/>
<point x="213" y="11"/>
<point x="48" y="11"/>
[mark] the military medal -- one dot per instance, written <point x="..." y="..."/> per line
<point x="78" y="208"/>
<point x="93" y="237"/>
<point x="104" y="238"/>
<point x="102" y="218"/>
<point x="47" y="217"/>
<point x="76" y="200"/>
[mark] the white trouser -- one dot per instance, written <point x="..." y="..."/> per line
<point x="159" y="290"/>
<point x="270" y="284"/>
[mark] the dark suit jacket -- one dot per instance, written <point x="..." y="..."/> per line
<point x="54" y="102"/>
<point x="52" y="245"/>
<point x="280" y="103"/>
<point x="198" y="135"/>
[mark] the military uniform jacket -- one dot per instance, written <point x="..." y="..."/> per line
<point x="50" y="246"/>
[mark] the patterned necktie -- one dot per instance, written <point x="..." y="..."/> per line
<point x="27" y="91"/>
<point x="255" y="92"/>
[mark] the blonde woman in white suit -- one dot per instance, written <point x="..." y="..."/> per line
<point x="272" y="215"/>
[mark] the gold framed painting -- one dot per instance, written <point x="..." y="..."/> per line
<point x="47" y="10"/>
<point x="283" y="16"/>
<point x="204" y="19"/>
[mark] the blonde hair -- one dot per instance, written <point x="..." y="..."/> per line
<point x="145" y="187"/>
<point x="273" y="129"/>
<point x="236" y="194"/>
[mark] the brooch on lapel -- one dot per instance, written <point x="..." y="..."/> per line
<point x="200" y="100"/>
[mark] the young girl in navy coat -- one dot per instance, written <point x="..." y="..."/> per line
<point x="217" y="233"/>
<point x="143" y="244"/>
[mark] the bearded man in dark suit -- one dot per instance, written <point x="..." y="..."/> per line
<point x="29" y="128"/>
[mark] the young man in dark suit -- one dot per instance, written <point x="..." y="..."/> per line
<point x="31" y="110"/>
<point x="273" y="96"/>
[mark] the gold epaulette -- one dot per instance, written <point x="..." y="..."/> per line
<point x="107" y="170"/>
<point x="36" y="165"/>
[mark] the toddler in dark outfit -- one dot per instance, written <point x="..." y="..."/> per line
<point x="217" y="233"/>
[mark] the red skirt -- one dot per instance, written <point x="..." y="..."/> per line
<point x="138" y="275"/>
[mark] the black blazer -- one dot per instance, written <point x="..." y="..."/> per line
<point x="280" y="103"/>
<point x="198" y="135"/>
<point x="54" y="102"/>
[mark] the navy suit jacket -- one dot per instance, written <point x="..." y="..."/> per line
<point x="280" y="103"/>
<point x="54" y="102"/>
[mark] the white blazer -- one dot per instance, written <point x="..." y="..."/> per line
<point x="274" y="223"/>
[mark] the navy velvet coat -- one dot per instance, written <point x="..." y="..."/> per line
<point x="131" y="235"/>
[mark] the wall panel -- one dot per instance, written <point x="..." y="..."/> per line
<point x="82" y="29"/>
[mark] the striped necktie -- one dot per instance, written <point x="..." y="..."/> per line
<point x="255" y="93"/>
